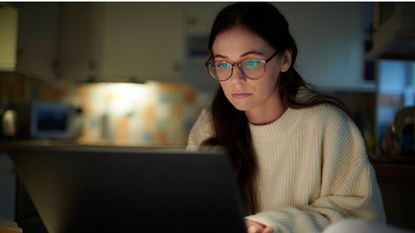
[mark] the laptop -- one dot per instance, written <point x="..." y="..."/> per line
<point x="125" y="189"/>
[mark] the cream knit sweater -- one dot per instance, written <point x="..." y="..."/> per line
<point x="313" y="169"/>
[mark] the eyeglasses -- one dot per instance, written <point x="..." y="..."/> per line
<point x="250" y="68"/>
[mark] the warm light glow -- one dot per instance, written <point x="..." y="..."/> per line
<point x="131" y="113"/>
<point x="127" y="97"/>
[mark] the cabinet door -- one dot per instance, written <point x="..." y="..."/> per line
<point x="143" y="41"/>
<point x="37" y="39"/>
<point x="78" y="52"/>
<point x="8" y="36"/>
<point x="200" y="16"/>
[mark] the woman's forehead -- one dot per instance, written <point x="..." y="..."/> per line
<point x="239" y="40"/>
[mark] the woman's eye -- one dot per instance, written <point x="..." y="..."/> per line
<point x="252" y="64"/>
<point x="224" y="66"/>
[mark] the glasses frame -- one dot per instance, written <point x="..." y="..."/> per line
<point x="264" y="61"/>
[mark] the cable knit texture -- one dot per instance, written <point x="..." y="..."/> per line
<point x="313" y="169"/>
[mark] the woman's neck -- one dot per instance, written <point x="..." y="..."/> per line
<point x="267" y="112"/>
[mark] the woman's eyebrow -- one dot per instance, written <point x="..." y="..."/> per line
<point x="243" y="54"/>
<point x="252" y="52"/>
<point x="220" y="56"/>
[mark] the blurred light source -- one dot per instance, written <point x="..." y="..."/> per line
<point x="136" y="93"/>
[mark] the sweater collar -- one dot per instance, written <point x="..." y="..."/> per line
<point x="276" y="128"/>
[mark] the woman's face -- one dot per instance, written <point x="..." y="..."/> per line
<point x="248" y="95"/>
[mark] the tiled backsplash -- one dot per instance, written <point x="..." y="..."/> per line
<point x="151" y="114"/>
<point x="16" y="88"/>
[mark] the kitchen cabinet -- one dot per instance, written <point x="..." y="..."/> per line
<point x="394" y="31"/>
<point x="37" y="46"/>
<point x="396" y="181"/>
<point x="78" y="55"/>
<point x="200" y="16"/>
<point x="8" y="36"/>
<point x="122" y="41"/>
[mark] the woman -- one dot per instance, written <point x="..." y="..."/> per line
<point x="300" y="160"/>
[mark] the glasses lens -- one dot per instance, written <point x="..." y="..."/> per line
<point x="212" y="70"/>
<point x="220" y="70"/>
<point x="253" y="68"/>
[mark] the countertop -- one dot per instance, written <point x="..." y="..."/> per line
<point x="70" y="143"/>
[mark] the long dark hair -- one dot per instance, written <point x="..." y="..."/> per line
<point x="231" y="125"/>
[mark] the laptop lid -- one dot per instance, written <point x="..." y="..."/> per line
<point x="107" y="189"/>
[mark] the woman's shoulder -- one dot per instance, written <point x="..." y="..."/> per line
<point x="324" y="112"/>
<point x="202" y="129"/>
<point x="329" y="110"/>
<point x="204" y="119"/>
<point x="334" y="121"/>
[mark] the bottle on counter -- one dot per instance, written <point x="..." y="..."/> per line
<point x="8" y="121"/>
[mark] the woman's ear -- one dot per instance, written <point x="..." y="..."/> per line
<point x="286" y="60"/>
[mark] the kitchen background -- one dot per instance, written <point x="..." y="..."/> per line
<point x="133" y="74"/>
<point x="74" y="52"/>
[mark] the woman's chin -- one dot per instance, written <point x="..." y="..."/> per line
<point x="241" y="106"/>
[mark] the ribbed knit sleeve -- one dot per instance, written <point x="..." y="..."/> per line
<point x="313" y="171"/>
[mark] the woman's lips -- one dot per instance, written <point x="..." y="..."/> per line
<point x="241" y="95"/>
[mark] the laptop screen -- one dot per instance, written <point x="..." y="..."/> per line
<point x="120" y="189"/>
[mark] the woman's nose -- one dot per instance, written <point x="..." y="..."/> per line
<point x="237" y="74"/>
